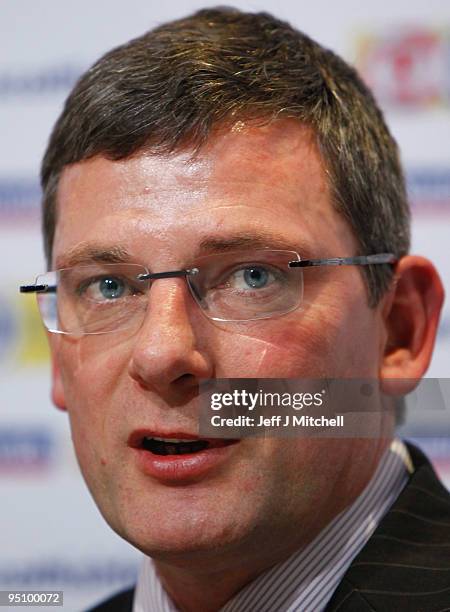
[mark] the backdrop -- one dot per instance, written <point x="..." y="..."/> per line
<point x="52" y="534"/>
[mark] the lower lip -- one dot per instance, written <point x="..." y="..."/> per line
<point x="177" y="468"/>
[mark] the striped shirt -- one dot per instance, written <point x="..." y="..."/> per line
<point x="307" y="579"/>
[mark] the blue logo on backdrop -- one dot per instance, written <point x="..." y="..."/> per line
<point x="19" y="199"/>
<point x="429" y="190"/>
<point x="42" y="82"/>
<point x="23" y="449"/>
<point x="7" y="328"/>
<point x="86" y="574"/>
<point x="444" y="328"/>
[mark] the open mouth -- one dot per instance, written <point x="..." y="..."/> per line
<point x="175" y="457"/>
<point x="178" y="446"/>
<point x="161" y="446"/>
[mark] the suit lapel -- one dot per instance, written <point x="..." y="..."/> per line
<point x="405" y="565"/>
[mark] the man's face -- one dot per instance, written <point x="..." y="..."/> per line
<point x="266" y="182"/>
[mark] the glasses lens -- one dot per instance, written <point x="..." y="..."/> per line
<point x="93" y="299"/>
<point x="247" y="285"/>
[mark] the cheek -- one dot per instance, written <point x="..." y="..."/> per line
<point x="320" y="340"/>
<point x="92" y="369"/>
<point x="92" y="366"/>
<point x="288" y="347"/>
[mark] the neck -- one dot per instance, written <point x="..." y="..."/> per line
<point x="208" y="582"/>
<point x="191" y="591"/>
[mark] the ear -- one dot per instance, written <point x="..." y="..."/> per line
<point x="411" y="313"/>
<point x="57" y="383"/>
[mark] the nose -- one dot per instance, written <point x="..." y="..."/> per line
<point x="167" y="356"/>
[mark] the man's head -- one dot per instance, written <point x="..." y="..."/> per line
<point x="218" y="132"/>
<point x="174" y="86"/>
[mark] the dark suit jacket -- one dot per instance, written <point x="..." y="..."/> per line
<point x="405" y="565"/>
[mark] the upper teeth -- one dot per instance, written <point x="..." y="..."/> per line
<point x="170" y="439"/>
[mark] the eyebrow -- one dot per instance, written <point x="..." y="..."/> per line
<point x="87" y="253"/>
<point x="246" y="240"/>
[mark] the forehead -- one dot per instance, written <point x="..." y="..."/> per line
<point x="267" y="179"/>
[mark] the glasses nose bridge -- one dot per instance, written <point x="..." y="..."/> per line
<point x="151" y="276"/>
<point x="181" y="274"/>
<point x="185" y="273"/>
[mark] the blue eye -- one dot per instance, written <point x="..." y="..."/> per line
<point x="252" y="277"/>
<point x="256" y="277"/>
<point x="103" y="289"/>
<point x="111" y="288"/>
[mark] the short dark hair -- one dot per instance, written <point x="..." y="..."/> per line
<point x="173" y="85"/>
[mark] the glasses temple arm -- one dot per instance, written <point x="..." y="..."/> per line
<point x="361" y="260"/>
<point x="37" y="289"/>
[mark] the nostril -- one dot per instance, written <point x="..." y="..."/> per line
<point x="187" y="385"/>
<point x="186" y="377"/>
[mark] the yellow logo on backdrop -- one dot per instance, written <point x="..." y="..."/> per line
<point x="33" y="348"/>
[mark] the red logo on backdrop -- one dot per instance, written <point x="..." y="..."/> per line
<point x="407" y="67"/>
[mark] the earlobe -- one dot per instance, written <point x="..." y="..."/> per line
<point x="411" y="315"/>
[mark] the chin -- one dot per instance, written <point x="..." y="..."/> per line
<point x="178" y="538"/>
<point x="182" y="549"/>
